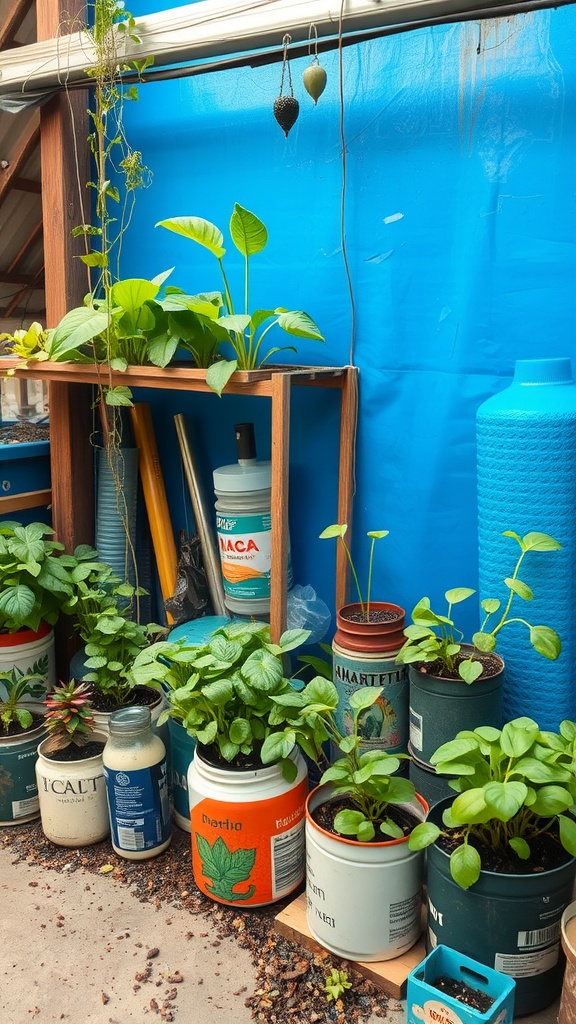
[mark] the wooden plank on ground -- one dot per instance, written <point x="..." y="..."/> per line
<point x="387" y="975"/>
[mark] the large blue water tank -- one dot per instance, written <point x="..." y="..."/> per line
<point x="526" y="437"/>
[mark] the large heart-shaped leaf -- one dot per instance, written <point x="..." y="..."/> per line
<point x="197" y="230"/>
<point x="247" y="231"/>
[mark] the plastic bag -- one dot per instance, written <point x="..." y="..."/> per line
<point x="190" y="599"/>
<point x="305" y="610"/>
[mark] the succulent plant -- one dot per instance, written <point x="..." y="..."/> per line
<point x="69" y="716"/>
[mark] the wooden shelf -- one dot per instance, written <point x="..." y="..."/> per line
<point x="72" y="504"/>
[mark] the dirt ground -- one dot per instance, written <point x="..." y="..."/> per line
<point x="86" y="936"/>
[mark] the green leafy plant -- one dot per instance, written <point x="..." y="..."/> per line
<point x="335" y="984"/>
<point x="225" y="868"/>
<point x="513" y="786"/>
<point x="19" y="684"/>
<point x="101" y="607"/>
<point x="434" y="638"/>
<point x="244" y="331"/>
<point x="69" y="717"/>
<point x="35" y="576"/>
<point x="339" y="530"/>
<point x="366" y="778"/>
<point x="231" y="694"/>
<point x="29" y="343"/>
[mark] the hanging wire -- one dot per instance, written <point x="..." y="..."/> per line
<point x="286" y="64"/>
<point x="314" y="30"/>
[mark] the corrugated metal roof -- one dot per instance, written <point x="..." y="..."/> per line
<point x="21" y="250"/>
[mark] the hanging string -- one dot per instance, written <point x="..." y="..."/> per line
<point x="286" y="64"/>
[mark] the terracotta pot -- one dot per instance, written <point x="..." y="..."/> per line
<point x="356" y="635"/>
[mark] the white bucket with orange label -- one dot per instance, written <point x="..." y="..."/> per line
<point x="247" y="830"/>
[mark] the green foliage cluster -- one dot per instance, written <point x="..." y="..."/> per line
<point x="36" y="577"/>
<point x="232" y="692"/>
<point x="102" y="608"/>
<point x="18" y="685"/>
<point x="335" y="984"/>
<point x="434" y="637"/>
<point x="513" y="785"/>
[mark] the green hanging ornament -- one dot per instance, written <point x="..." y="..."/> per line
<point x="286" y="108"/>
<point x="314" y="79"/>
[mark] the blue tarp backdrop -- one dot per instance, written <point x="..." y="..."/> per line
<point x="460" y="227"/>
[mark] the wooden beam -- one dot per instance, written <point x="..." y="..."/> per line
<point x="28" y="499"/>
<point x="26" y="185"/>
<point x="25" y="248"/>
<point x="12" y="22"/>
<point x="13" y="277"/>
<point x="65" y="162"/>
<point x="26" y="147"/>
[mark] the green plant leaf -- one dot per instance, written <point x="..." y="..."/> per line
<point x="546" y="641"/>
<point x="237" y="323"/>
<point x="263" y="671"/>
<point x="470" y="808"/>
<point x="458" y="594"/>
<point x="336" y="530"/>
<point x="247" y="231"/>
<point x="240" y="731"/>
<point x="293" y="638"/>
<point x="470" y="670"/>
<point x="454" y="750"/>
<point x="568" y="833"/>
<point x="551" y="801"/>
<point x="520" y="847"/>
<point x="423" y="835"/>
<point x="348" y="822"/>
<point x="518" y="736"/>
<point x="197" y="230"/>
<point x="299" y="325"/>
<point x="465" y="866"/>
<point x="540" y="542"/>
<point x="520" y="588"/>
<point x="365" y="697"/>
<point x="484" y="642"/>
<point x="219" y="373"/>
<point x="490" y="605"/>
<point x="505" y="799"/>
<point x="76" y="328"/>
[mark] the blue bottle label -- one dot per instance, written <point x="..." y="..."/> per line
<point x="139" y="805"/>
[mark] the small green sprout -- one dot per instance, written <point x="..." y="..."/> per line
<point x="336" y="984"/>
<point x="339" y="530"/>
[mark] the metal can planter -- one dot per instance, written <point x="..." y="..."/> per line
<point x="72" y="794"/>
<point x="384" y="725"/>
<point x="364" y="900"/>
<point x="182" y="748"/>
<point x="18" y="788"/>
<point x="508" y="922"/>
<point x="247" y="830"/>
<point x="440" y="707"/>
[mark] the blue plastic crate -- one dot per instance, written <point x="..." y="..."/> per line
<point x="429" y="1005"/>
<point x="24" y="467"/>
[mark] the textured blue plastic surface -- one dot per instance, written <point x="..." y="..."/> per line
<point x="527" y="481"/>
<point x="461" y="240"/>
<point x="116" y="508"/>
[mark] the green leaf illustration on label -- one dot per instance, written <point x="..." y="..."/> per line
<point x="225" y="868"/>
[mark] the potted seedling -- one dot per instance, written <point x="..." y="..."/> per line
<point x="35" y="586"/>
<point x="364" y="650"/>
<point x="502" y="851"/>
<point x="21" y="729"/>
<point x="101" y="608"/>
<point x="248" y="781"/>
<point x="244" y="332"/>
<point x="456" y="685"/>
<point x="365" y="624"/>
<point x="69" y="770"/>
<point x="360" y="869"/>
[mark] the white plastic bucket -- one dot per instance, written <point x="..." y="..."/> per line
<point x="72" y="794"/>
<point x="26" y="652"/>
<point x="364" y="900"/>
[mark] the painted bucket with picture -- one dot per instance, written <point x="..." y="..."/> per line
<point x="247" y="831"/>
<point x="18" y="786"/>
<point x="28" y="652"/>
<point x="384" y="725"/>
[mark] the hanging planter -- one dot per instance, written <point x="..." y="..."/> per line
<point x="364" y="898"/>
<point x="247" y="829"/>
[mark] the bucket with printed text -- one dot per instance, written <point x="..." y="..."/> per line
<point x="384" y="725"/>
<point x="247" y="830"/>
<point x="18" y="787"/>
